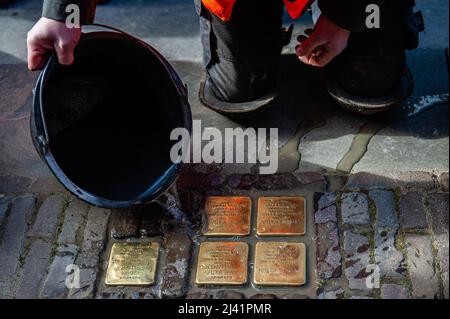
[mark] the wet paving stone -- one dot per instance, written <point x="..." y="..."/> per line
<point x="357" y="260"/>
<point x="125" y="223"/>
<point x="328" y="253"/>
<point x="442" y="246"/>
<point x="55" y="283"/>
<point x="412" y="211"/>
<point x="332" y="294"/>
<point x="355" y="209"/>
<point x="176" y="269"/>
<point x="388" y="258"/>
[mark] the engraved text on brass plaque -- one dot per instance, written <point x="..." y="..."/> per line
<point x="281" y="216"/>
<point x="228" y="216"/>
<point x="132" y="264"/>
<point x="222" y="263"/>
<point x="280" y="264"/>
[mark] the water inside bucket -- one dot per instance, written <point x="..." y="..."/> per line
<point x="110" y="123"/>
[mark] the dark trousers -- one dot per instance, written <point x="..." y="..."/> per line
<point x="241" y="56"/>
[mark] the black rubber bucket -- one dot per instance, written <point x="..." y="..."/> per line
<point x="103" y="124"/>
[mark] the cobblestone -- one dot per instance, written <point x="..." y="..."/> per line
<point x="55" y="284"/>
<point x="47" y="218"/>
<point x="229" y="294"/>
<point x="328" y="255"/>
<point x="388" y="258"/>
<point x="442" y="243"/>
<point x="125" y="223"/>
<point x="74" y="219"/>
<point x="34" y="269"/>
<point x="422" y="267"/>
<point x="357" y="259"/>
<point x="412" y="213"/>
<point x="94" y="237"/>
<point x="355" y="209"/>
<point x="333" y="294"/>
<point x="439" y="212"/>
<point x="443" y="182"/>
<point x="176" y="271"/>
<point x="86" y="288"/>
<point x="13" y="240"/>
<point x="393" y="291"/>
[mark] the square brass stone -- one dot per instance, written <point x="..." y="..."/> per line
<point x="281" y="216"/>
<point x="132" y="264"/>
<point x="228" y="216"/>
<point x="280" y="264"/>
<point x="222" y="263"/>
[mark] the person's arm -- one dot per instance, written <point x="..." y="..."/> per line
<point x="350" y="15"/>
<point x="51" y="33"/>
<point x="56" y="9"/>
<point x="338" y="19"/>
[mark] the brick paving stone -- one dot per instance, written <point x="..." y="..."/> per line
<point x="229" y="294"/>
<point x="13" y="239"/>
<point x="334" y="294"/>
<point x="412" y="212"/>
<point x="357" y="259"/>
<point x="34" y="269"/>
<point x="393" y="291"/>
<point x="421" y="267"/>
<point x="55" y="283"/>
<point x="325" y="208"/>
<point x="94" y="237"/>
<point x="328" y="255"/>
<point x="176" y="272"/>
<point x="4" y="204"/>
<point x="86" y="288"/>
<point x="388" y="258"/>
<point x="439" y="212"/>
<point x="442" y="244"/>
<point x="46" y="222"/>
<point x="125" y="223"/>
<point x="74" y="219"/>
<point x="355" y="209"/>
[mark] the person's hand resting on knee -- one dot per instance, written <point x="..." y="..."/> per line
<point x="49" y="35"/>
<point x="322" y="44"/>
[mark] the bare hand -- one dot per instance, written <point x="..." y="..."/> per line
<point x="322" y="44"/>
<point x="49" y="35"/>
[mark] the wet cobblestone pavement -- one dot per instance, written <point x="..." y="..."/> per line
<point x="400" y="229"/>
<point x="376" y="189"/>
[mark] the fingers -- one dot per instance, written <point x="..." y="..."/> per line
<point x="64" y="52"/>
<point x="37" y="54"/>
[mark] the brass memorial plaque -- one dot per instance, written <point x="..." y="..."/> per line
<point x="132" y="264"/>
<point x="222" y="263"/>
<point x="283" y="216"/>
<point x="228" y="216"/>
<point x="280" y="264"/>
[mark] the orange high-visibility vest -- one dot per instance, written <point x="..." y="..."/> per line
<point x="224" y="8"/>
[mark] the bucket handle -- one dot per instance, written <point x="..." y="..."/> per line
<point x="182" y="88"/>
